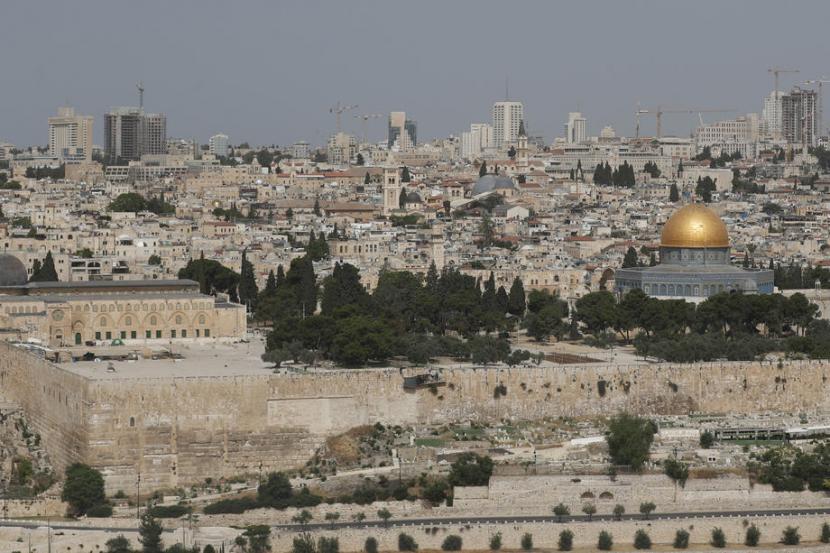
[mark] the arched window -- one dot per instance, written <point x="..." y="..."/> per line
<point x="103" y="322"/>
<point x="178" y="319"/>
<point x="128" y="321"/>
<point x="153" y="320"/>
<point x="201" y="319"/>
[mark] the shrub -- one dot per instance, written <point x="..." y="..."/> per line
<point x="825" y="533"/>
<point x="169" y="511"/>
<point x="495" y="542"/>
<point x="790" y="536"/>
<point x="707" y="440"/>
<point x="561" y="511"/>
<point x="102" y="510"/>
<point x="328" y="545"/>
<point x="605" y="541"/>
<point x="681" y="539"/>
<point x="118" y="544"/>
<point x="406" y="543"/>
<point x="646" y="508"/>
<point x="232" y="506"/>
<point x="527" y="542"/>
<point x="451" y="543"/>
<point x="566" y="540"/>
<point x="371" y="545"/>
<point x="718" y="538"/>
<point x="753" y="536"/>
<point x="629" y="439"/>
<point x="83" y="488"/>
<point x="642" y="540"/>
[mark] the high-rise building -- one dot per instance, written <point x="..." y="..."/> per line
<point x="402" y="132"/>
<point x="476" y="140"/>
<point x="301" y="150"/>
<point x="799" y="117"/>
<point x="576" y="129"/>
<point x="219" y="144"/>
<point x="771" y="114"/>
<point x="70" y="135"/>
<point x="342" y="148"/>
<point x="130" y="133"/>
<point x="506" y="118"/>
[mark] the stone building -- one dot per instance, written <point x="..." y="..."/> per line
<point x="142" y="312"/>
<point x="694" y="261"/>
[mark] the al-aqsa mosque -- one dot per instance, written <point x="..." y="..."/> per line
<point x="694" y="261"/>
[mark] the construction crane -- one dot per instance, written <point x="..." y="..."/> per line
<point x="364" y="118"/>
<point x="339" y="110"/>
<point x="776" y="71"/>
<point x="140" y="87"/>
<point x="819" y="82"/>
<point x="659" y="111"/>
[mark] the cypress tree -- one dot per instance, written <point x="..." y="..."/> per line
<point x="270" y="284"/>
<point x="247" y="282"/>
<point x="674" y="193"/>
<point x="44" y="272"/>
<point x="516" y="299"/>
<point x="630" y="259"/>
<point x="402" y="199"/>
<point x="483" y="169"/>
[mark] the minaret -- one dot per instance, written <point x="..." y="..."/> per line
<point x="437" y="244"/>
<point x="391" y="190"/>
<point x="521" y="151"/>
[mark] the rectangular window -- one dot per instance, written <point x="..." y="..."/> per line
<point x="123" y="334"/>
<point x="97" y="335"/>
<point x="184" y="333"/>
<point x="133" y="334"/>
<point x="148" y="334"/>
<point x="158" y="333"/>
<point x="197" y="332"/>
<point x="207" y="333"/>
<point x="172" y="333"/>
<point x="109" y="335"/>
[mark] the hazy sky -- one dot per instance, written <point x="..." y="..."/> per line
<point x="268" y="71"/>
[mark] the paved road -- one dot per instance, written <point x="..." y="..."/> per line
<point x="402" y="523"/>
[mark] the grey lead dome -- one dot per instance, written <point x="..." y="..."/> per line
<point x="12" y="271"/>
<point x="488" y="183"/>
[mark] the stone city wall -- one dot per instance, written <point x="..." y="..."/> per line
<point x="181" y="430"/>
<point x="54" y="401"/>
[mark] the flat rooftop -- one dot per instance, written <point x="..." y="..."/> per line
<point x="199" y="360"/>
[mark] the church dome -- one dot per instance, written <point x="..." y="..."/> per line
<point x="12" y="271"/>
<point x="488" y="183"/>
<point x="695" y="226"/>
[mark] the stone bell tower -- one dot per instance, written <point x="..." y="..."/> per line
<point x="391" y="190"/>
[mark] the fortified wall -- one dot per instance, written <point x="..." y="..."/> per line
<point x="181" y="430"/>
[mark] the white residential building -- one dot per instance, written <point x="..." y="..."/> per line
<point x="70" y="135"/>
<point x="476" y="141"/>
<point x="506" y="119"/>
<point x="219" y="144"/>
<point x="576" y="129"/>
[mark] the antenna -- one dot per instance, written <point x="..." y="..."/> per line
<point x="140" y="87"/>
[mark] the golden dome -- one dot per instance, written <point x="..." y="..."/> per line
<point x="694" y="226"/>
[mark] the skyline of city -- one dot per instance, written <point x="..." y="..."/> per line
<point x="445" y="92"/>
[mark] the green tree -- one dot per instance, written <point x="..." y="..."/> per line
<point x="824" y="537"/>
<point x="128" y="202"/>
<point x="561" y="511"/>
<point x="566" y="540"/>
<point x="328" y="545"/>
<point x="483" y="169"/>
<point x="527" y="542"/>
<point x="384" y="515"/>
<point x="402" y="199"/>
<point x="674" y="193"/>
<point x="405" y="176"/>
<point x="681" y="539"/>
<point x="452" y="543"/>
<point x="597" y="311"/>
<point x="707" y="439"/>
<point x="790" y="536"/>
<point x="630" y="259"/>
<point x="259" y="537"/>
<point x="154" y="260"/>
<point x="495" y="541"/>
<point x="642" y="540"/>
<point x="629" y="439"/>
<point x="753" y="536"/>
<point x="149" y="533"/>
<point x="316" y="208"/>
<point x="677" y="471"/>
<point x="605" y="541"/>
<point x="589" y="509"/>
<point x="406" y="542"/>
<point x="247" y="283"/>
<point x="718" y="538"/>
<point x="118" y="544"/>
<point x="619" y="511"/>
<point x="471" y="469"/>
<point x="303" y="543"/>
<point x="302" y="518"/>
<point x="516" y="299"/>
<point x="83" y="488"/>
<point x="359" y="160"/>
<point x="45" y="272"/>
<point x="275" y="491"/>
<point x="646" y="508"/>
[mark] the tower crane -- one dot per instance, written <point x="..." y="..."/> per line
<point x="339" y="110"/>
<point x="819" y="82"/>
<point x="775" y="72"/>
<point x="364" y="118"/>
<point x="140" y="87"/>
<point x="659" y="111"/>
